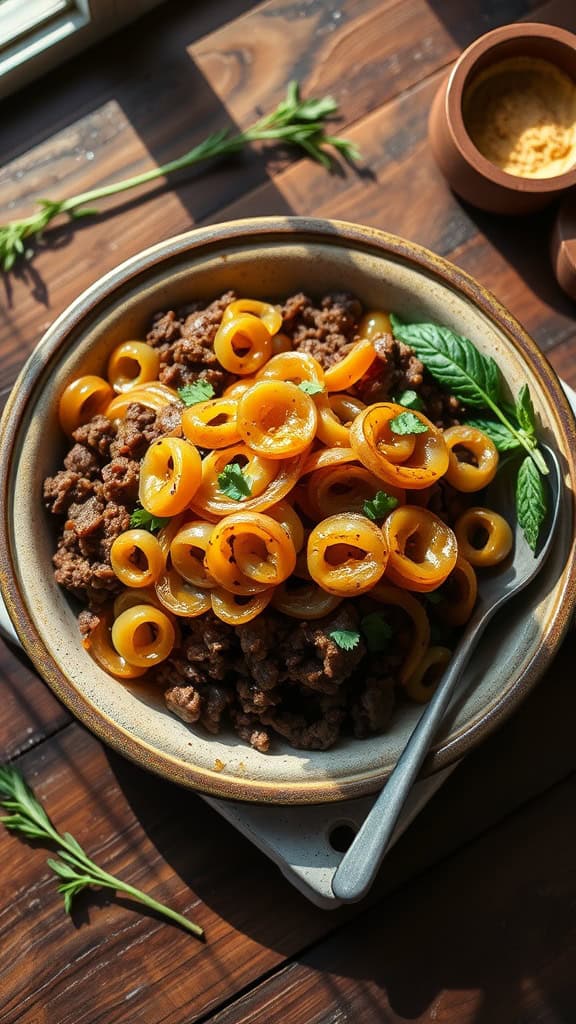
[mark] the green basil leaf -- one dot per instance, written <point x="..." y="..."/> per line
<point x="525" y="411"/>
<point x="502" y="437"/>
<point x="454" y="362"/>
<point x="530" y="501"/>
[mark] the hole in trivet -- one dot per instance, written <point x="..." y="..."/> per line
<point x="341" y="837"/>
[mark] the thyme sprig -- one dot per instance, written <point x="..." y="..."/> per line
<point x="74" y="868"/>
<point x="301" y="123"/>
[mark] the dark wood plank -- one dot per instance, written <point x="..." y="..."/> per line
<point x="112" y="962"/>
<point x="487" y="937"/>
<point x="29" y="710"/>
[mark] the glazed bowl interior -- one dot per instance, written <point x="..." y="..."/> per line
<point x="271" y="259"/>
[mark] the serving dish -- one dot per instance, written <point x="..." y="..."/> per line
<point x="266" y="257"/>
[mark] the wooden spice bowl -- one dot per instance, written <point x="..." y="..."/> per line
<point x="469" y="173"/>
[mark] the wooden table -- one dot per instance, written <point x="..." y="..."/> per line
<point x="473" y="918"/>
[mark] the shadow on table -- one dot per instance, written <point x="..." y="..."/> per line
<point x="147" y="71"/>
<point x="524" y="242"/>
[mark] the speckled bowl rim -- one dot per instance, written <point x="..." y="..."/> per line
<point x="206" y="240"/>
<point x="456" y="87"/>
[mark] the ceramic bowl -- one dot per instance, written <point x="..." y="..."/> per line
<point x="269" y="258"/>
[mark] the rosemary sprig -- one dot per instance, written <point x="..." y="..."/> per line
<point x="302" y="123"/>
<point x="75" y="869"/>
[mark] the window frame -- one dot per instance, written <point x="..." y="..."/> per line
<point x="53" y="38"/>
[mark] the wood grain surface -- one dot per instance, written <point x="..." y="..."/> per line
<point x="472" y="918"/>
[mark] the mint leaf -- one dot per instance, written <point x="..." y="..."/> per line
<point x="525" y="411"/>
<point x="199" y="391"/>
<point x="502" y="437"/>
<point x="233" y="483"/>
<point x="454" y="361"/>
<point x="530" y="501"/>
<point x="407" y="423"/>
<point x="346" y="639"/>
<point x="143" y="520"/>
<point x="410" y="400"/>
<point x="311" y="387"/>
<point x="379" y="506"/>
<point x="377" y="632"/>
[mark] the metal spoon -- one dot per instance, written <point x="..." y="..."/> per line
<point x="358" y="867"/>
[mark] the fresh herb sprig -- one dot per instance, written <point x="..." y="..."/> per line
<point x="143" y="520"/>
<point x="233" y="483"/>
<point x="75" y="869"/>
<point x="301" y="123"/>
<point x="199" y="391"/>
<point x="379" y="506"/>
<point x="345" y="639"/>
<point x="475" y="379"/>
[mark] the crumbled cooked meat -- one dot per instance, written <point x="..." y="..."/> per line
<point x="66" y="488"/>
<point x="169" y="420"/>
<point x="88" y="621"/>
<point x="199" y="704"/>
<point x="120" y="480"/>
<point x="273" y="676"/>
<point x="186" y="345"/>
<point x="85" y="518"/>
<point x="313" y="658"/>
<point x="97" y="435"/>
<point x="317" y="735"/>
<point x="249" y="729"/>
<point x="135" y="432"/>
<point x="394" y="370"/>
<point x="83" y="461"/>
<point x="322" y="331"/>
<point x="372" y="705"/>
<point x="184" y="701"/>
<point x="215" y="701"/>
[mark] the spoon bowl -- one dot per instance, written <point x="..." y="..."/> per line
<point x="358" y="867"/>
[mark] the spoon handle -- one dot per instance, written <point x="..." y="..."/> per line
<point x="358" y="867"/>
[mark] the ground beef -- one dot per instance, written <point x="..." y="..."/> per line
<point x="120" y="480"/>
<point x="274" y="676"/>
<point x="185" y="341"/>
<point x="97" y="435"/>
<point x="65" y="488"/>
<point x="323" y="331"/>
<point x="372" y="705"/>
<point x="135" y="432"/>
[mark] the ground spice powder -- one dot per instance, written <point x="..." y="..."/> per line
<point x="521" y="115"/>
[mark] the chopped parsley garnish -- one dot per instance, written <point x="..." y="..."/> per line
<point x="407" y="423"/>
<point x="377" y="632"/>
<point x="346" y="639"/>
<point x="410" y="400"/>
<point x="233" y="483"/>
<point x="311" y="387"/>
<point x="143" y="520"/>
<point x="379" y="506"/>
<point x="199" y="391"/>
